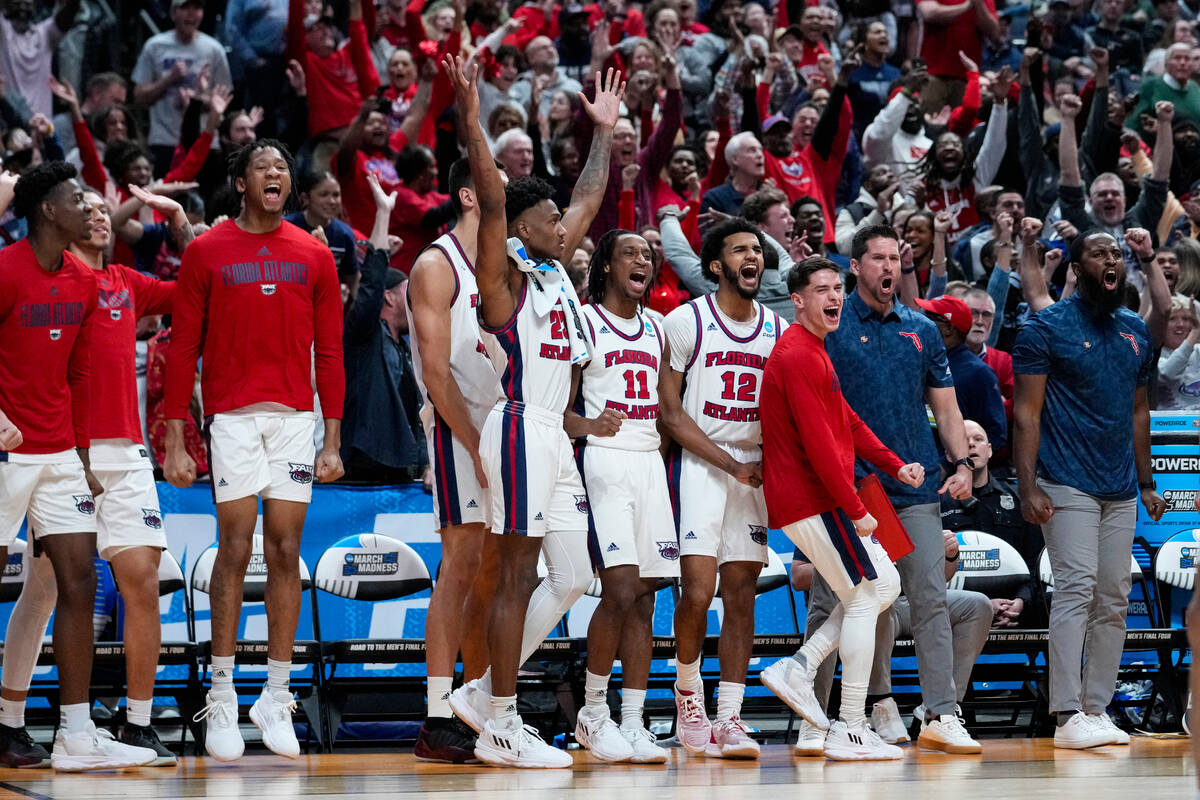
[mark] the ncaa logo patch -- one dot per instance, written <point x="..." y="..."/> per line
<point x="668" y="550"/>
<point x="55" y="334"/>
<point x="581" y="504"/>
<point x="84" y="503"/>
<point x="268" y="289"/>
<point x="758" y="534"/>
<point x="300" y="473"/>
<point x="152" y="518"/>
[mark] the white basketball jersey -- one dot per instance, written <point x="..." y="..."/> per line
<point x="724" y="370"/>
<point x="534" y="358"/>
<point x="623" y="376"/>
<point x="470" y="359"/>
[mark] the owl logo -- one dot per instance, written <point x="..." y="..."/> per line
<point x="84" y="504"/>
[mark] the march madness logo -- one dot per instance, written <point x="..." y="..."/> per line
<point x="914" y="338"/>
<point x="1132" y="343"/>
<point x="84" y="503"/>
<point x="581" y="503"/>
<point x="758" y="533"/>
<point x="152" y="518"/>
<point x="668" y="550"/>
<point x="1179" y="499"/>
<point x="300" y="473"/>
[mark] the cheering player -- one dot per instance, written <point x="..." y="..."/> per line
<point x="257" y="297"/>
<point x="810" y="439"/>
<point x="48" y="301"/>
<point x="719" y="344"/>
<point x="537" y="499"/>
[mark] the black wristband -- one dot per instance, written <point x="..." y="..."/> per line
<point x="952" y="560"/>
<point x="1147" y="486"/>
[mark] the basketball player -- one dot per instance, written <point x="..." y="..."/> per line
<point x="460" y="386"/>
<point x="130" y="530"/>
<point x="537" y="500"/>
<point x="719" y="344"/>
<point x="48" y="321"/>
<point x="260" y="299"/>
<point x="810" y="440"/>
<point x="631" y="532"/>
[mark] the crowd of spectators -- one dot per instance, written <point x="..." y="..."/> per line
<point x="988" y="134"/>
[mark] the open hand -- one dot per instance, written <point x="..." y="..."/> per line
<point x="605" y="110"/>
<point x="383" y="201"/>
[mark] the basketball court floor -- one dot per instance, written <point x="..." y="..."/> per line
<point x="1010" y="769"/>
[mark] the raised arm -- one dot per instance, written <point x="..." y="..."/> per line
<point x="1033" y="280"/>
<point x="995" y="138"/>
<point x="1068" y="149"/>
<point x="491" y="265"/>
<point x="593" y="180"/>
<point x="1140" y="243"/>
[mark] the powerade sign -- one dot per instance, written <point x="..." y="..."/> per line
<point x="1175" y="460"/>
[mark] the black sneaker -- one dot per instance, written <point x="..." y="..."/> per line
<point x="139" y="736"/>
<point x="446" y="741"/>
<point x="18" y="749"/>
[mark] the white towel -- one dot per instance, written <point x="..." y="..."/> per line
<point x="550" y="285"/>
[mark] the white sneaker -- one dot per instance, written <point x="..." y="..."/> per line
<point x="472" y="704"/>
<point x="596" y="731"/>
<point x="222" y="739"/>
<point x="858" y="743"/>
<point x="885" y="719"/>
<point x="520" y="748"/>
<point x="731" y="739"/>
<point x="810" y="742"/>
<point x="92" y="749"/>
<point x="692" y="727"/>
<point x="792" y="684"/>
<point x="272" y="713"/>
<point x="946" y="733"/>
<point x="1079" y="733"/>
<point x="1103" y="722"/>
<point x="645" y="746"/>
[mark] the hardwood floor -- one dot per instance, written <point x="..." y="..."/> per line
<point x="1009" y="769"/>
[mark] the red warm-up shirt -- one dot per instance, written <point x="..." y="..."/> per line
<point x="255" y="305"/>
<point x="811" y="435"/>
<point x="47" y="323"/>
<point x="125" y="296"/>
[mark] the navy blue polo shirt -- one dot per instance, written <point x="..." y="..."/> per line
<point x="1094" y="363"/>
<point x="723" y="198"/>
<point x="885" y="364"/>
<point x="978" y="393"/>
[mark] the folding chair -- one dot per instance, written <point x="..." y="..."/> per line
<point x="304" y="651"/>
<point x="368" y="567"/>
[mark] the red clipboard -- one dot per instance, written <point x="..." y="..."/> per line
<point x="890" y="533"/>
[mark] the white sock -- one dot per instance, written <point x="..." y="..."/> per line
<point x="74" y="717"/>
<point x="632" y="703"/>
<point x="687" y="676"/>
<point x="504" y="713"/>
<point x="595" y="690"/>
<point x="278" y="675"/>
<point x="439" y="696"/>
<point x="138" y="711"/>
<point x="222" y="675"/>
<point x="12" y="713"/>
<point x="729" y="700"/>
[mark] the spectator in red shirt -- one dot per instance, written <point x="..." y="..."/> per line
<point x="951" y="26"/>
<point x="420" y="211"/>
<point x="803" y="45"/>
<point x="339" y="76"/>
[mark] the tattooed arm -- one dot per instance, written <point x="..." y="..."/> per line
<point x="593" y="180"/>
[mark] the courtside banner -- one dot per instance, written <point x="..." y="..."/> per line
<point x="1175" y="459"/>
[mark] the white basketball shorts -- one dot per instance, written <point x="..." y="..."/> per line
<point x="51" y="490"/>
<point x="271" y="455"/>
<point x="718" y="516"/>
<point x="630" y="511"/>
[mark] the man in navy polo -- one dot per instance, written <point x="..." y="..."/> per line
<point x="891" y="361"/>
<point x="1082" y="454"/>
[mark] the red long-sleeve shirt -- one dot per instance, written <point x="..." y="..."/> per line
<point x="256" y="305"/>
<point x="810" y="434"/>
<point x="125" y="296"/>
<point x="47" y="323"/>
<point x="337" y="83"/>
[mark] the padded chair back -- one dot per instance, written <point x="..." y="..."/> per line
<point x="170" y="575"/>
<point x="988" y="564"/>
<point x="254" y="589"/>
<point x="15" y="571"/>
<point x="1175" y="562"/>
<point x="1046" y="575"/>
<point x="371" y="566"/>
